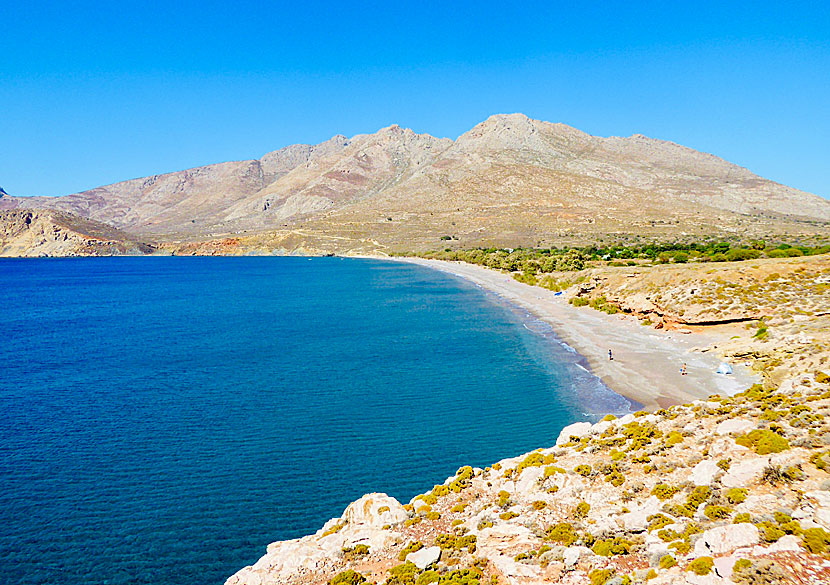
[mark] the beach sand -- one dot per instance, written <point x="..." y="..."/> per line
<point x="646" y="364"/>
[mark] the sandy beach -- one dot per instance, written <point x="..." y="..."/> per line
<point x="646" y="364"/>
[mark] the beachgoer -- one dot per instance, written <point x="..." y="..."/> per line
<point x="610" y="355"/>
<point x="683" y="369"/>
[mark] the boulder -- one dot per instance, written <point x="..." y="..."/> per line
<point x="579" y="429"/>
<point x="744" y="473"/>
<point x="424" y="557"/>
<point x="375" y="510"/>
<point x="734" y="425"/>
<point x="704" y="472"/>
<point x="788" y="543"/>
<point x="572" y="554"/>
<point x="637" y="519"/>
<point x="725" y="538"/>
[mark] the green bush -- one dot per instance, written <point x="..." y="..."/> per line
<point x="763" y="441"/>
<point x="736" y="495"/>
<point x="348" y="578"/>
<point x="701" y="566"/>
<point x="582" y="509"/>
<point x="578" y="301"/>
<point x="562" y="533"/>
<point x="600" y="576"/>
<point x="816" y="540"/>
<point x="667" y="562"/>
<point x="611" y="546"/>
<point x="715" y="512"/>
<point x="663" y="491"/>
<point x="358" y="551"/>
<point x="583" y="470"/>
<point x="428" y="577"/>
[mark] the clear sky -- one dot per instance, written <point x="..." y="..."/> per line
<point x="96" y="92"/>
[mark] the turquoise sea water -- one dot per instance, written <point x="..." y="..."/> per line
<point x="163" y="419"/>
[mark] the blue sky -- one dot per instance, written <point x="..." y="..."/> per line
<point x="96" y="92"/>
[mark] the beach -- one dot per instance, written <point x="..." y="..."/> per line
<point x="647" y="361"/>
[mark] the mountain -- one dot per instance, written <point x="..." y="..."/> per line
<point x="508" y="181"/>
<point x="34" y="232"/>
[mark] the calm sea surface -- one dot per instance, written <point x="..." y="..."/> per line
<point x="163" y="419"/>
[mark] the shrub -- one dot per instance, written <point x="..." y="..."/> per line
<point x="440" y="491"/>
<point x="667" y="562"/>
<point x="582" y="509"/>
<point x="701" y="566"/>
<point x="504" y="499"/>
<point x="736" y="495"/>
<point x="428" y="577"/>
<point x="663" y="491"/>
<point x="763" y="441"/>
<point x="562" y="533"/>
<point x="355" y="552"/>
<point x="724" y="464"/>
<point x="433" y="516"/>
<point x="816" y="540"/>
<point x="508" y="515"/>
<point x="699" y="495"/>
<point x="821" y="460"/>
<point x="459" y="507"/>
<point x="681" y="546"/>
<point x="348" y="578"/>
<point x="452" y="542"/>
<point x="539" y="505"/>
<point x="402" y="574"/>
<point x="578" y="301"/>
<point x="715" y="512"/>
<point x="742" y="518"/>
<point x="583" y="470"/>
<point x="673" y="439"/>
<point x="611" y="546"/>
<point x="600" y="576"/>
<point x="822" y="378"/>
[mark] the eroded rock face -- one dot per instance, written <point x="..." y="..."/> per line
<point x="725" y="538"/>
<point x="376" y="510"/>
<point x="579" y="429"/>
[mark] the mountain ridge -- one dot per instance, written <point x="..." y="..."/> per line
<point x="508" y="180"/>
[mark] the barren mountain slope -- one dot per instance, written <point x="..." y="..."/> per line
<point x="509" y="181"/>
<point x="35" y="232"/>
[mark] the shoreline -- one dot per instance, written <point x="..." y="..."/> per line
<point x="646" y="364"/>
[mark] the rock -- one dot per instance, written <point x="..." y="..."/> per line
<point x="704" y="472"/>
<point x="637" y="519"/>
<point x="424" y="557"/>
<point x="724" y="565"/>
<point x="375" y="510"/>
<point x="744" y="473"/>
<point x="725" y="538"/>
<point x="786" y="543"/>
<point x="579" y="429"/>
<point x="734" y="425"/>
<point x="572" y="554"/>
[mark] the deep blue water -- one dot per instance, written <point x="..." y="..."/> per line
<point x="163" y="419"/>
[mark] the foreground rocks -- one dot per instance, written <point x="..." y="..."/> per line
<point x="729" y="490"/>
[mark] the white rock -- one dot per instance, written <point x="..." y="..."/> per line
<point x="734" y="425"/>
<point x="528" y="481"/>
<point x="376" y="510"/>
<point x="744" y="473"/>
<point x="579" y="429"/>
<point x="724" y="565"/>
<point x="637" y="519"/>
<point x="785" y="544"/>
<point x="424" y="557"/>
<point x="704" y="472"/>
<point x="601" y="427"/>
<point x="725" y="538"/>
<point x="572" y="554"/>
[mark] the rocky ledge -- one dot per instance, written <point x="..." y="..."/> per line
<point x="733" y="489"/>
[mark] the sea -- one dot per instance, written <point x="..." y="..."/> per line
<point x="163" y="419"/>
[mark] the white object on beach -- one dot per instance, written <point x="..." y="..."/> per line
<point x="724" y="368"/>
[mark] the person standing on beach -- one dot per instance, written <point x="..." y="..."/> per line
<point x="610" y="356"/>
<point x="683" y="369"/>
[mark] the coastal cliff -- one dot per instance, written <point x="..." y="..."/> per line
<point x="724" y="489"/>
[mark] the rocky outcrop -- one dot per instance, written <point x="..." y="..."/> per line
<point x="697" y="493"/>
<point x="36" y="233"/>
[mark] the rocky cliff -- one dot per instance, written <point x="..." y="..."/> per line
<point x="32" y="233"/>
